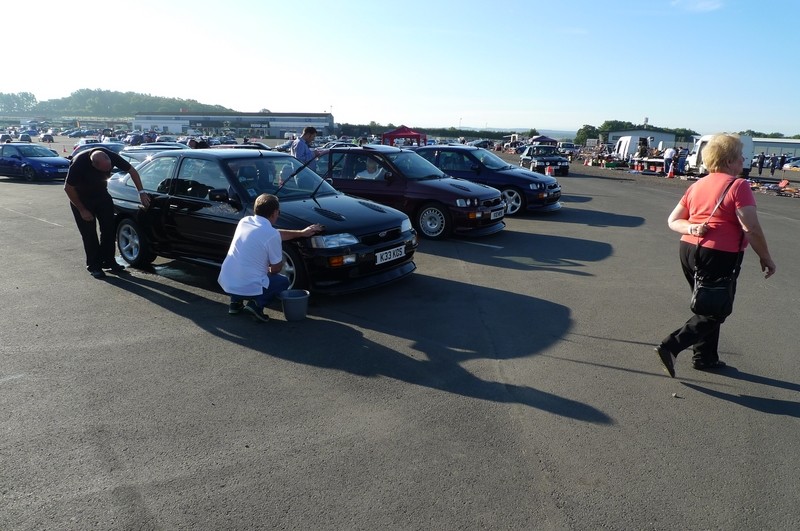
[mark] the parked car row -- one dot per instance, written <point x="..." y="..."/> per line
<point x="372" y="200"/>
<point x="199" y="195"/>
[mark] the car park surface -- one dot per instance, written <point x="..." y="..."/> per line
<point x="437" y="204"/>
<point x="522" y="190"/>
<point x="31" y="162"/>
<point x="508" y="384"/>
<point x="199" y="195"/>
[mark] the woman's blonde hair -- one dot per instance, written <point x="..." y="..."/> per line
<point x="721" y="152"/>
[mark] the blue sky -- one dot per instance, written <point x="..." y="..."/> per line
<point x="707" y="65"/>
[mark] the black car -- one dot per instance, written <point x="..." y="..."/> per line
<point x="199" y="195"/>
<point x="438" y="205"/>
<point x="539" y="157"/>
<point x="522" y="189"/>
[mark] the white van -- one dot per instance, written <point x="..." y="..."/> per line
<point x="694" y="161"/>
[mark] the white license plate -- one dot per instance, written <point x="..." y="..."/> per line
<point x="497" y="214"/>
<point x="391" y="254"/>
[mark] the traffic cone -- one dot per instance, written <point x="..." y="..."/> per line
<point x="64" y="149"/>
<point x="671" y="174"/>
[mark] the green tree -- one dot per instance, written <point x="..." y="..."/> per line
<point x="532" y="133"/>
<point x="584" y="133"/>
<point x="615" y="125"/>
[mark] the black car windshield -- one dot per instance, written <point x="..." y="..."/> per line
<point x="277" y="175"/>
<point x="490" y="160"/>
<point x="414" y="167"/>
<point x="35" y="151"/>
<point x="544" y="150"/>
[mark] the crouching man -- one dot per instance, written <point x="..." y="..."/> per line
<point x="251" y="270"/>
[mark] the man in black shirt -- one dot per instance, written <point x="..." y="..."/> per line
<point x="86" y="187"/>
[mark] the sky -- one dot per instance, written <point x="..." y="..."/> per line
<point x="706" y="65"/>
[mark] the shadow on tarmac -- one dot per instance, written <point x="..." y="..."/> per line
<point x="764" y="405"/>
<point x="447" y="323"/>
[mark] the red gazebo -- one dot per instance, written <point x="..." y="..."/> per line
<point x="389" y="137"/>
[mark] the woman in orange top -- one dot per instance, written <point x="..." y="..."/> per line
<point x="722" y="240"/>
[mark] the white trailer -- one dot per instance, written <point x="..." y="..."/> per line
<point x="694" y="161"/>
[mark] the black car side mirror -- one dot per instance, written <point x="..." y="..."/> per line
<point x="221" y="195"/>
<point x="388" y="176"/>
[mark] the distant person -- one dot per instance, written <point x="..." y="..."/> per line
<point x="781" y="161"/>
<point x="372" y="171"/>
<point x="714" y="245"/>
<point x="251" y="269"/>
<point x="301" y="148"/>
<point x="669" y="154"/>
<point x="760" y="162"/>
<point x="192" y="143"/>
<point x="86" y="187"/>
<point x="773" y="163"/>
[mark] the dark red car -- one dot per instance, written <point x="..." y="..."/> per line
<point x="438" y="205"/>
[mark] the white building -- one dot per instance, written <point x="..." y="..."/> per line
<point x="254" y="125"/>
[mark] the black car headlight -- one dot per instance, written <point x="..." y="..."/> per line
<point x="406" y="225"/>
<point x="469" y="202"/>
<point x="332" y="241"/>
<point x="537" y="186"/>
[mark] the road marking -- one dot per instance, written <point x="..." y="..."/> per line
<point x="11" y="377"/>
<point x="32" y="217"/>
<point x="484" y="245"/>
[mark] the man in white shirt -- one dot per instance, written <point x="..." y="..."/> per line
<point x="372" y="171"/>
<point x="251" y="270"/>
<point x="669" y="153"/>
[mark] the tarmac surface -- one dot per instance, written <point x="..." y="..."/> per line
<point x="509" y="383"/>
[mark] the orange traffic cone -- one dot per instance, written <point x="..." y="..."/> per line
<point x="671" y="174"/>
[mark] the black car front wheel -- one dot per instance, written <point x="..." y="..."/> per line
<point x="515" y="201"/>
<point x="28" y="174"/>
<point x="433" y="221"/>
<point x="294" y="269"/>
<point x="132" y="244"/>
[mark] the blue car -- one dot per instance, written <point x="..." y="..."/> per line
<point x="31" y="162"/>
<point x="523" y="190"/>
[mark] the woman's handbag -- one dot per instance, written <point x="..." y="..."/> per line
<point x="714" y="297"/>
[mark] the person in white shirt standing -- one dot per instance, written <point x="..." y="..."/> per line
<point x="669" y="154"/>
<point x="251" y="270"/>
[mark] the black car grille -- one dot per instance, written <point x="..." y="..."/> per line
<point x="490" y="203"/>
<point x="553" y="186"/>
<point x="377" y="238"/>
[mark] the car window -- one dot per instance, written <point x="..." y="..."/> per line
<point x="414" y="167"/>
<point x="454" y="161"/>
<point x="157" y="175"/>
<point x="197" y="177"/>
<point x="428" y="154"/>
<point x="490" y="160"/>
<point x="35" y="151"/>
<point x="8" y="151"/>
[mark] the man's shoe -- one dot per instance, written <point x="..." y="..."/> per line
<point x="709" y="365"/>
<point x="97" y="273"/>
<point x="668" y="359"/>
<point x="235" y="308"/>
<point x="256" y="312"/>
<point x="115" y="267"/>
